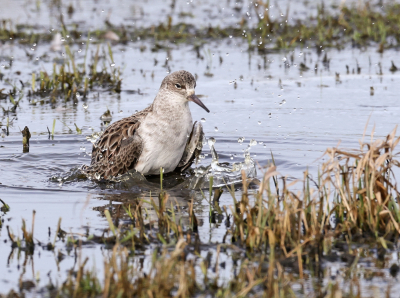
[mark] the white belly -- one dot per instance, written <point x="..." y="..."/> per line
<point x="164" y="141"/>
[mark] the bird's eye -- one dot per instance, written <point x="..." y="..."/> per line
<point x="178" y="86"/>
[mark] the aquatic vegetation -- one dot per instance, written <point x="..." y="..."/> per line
<point x="276" y="236"/>
<point x="359" y="24"/>
<point x="357" y="188"/>
<point x="71" y="81"/>
<point x="326" y="235"/>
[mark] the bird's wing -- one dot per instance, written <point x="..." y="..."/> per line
<point x="193" y="147"/>
<point x="118" y="148"/>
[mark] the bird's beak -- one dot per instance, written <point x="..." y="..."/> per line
<point x="197" y="100"/>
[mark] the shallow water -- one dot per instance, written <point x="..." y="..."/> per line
<point x="293" y="114"/>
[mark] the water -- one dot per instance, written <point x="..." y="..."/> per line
<point x="274" y="108"/>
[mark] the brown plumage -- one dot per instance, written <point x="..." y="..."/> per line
<point x="118" y="148"/>
<point x="155" y="137"/>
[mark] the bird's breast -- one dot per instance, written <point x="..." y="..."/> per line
<point x="164" y="140"/>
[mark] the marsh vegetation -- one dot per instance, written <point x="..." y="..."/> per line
<point x="281" y="86"/>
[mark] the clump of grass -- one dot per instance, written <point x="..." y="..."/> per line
<point x="359" y="25"/>
<point x="71" y="81"/>
<point x="355" y="199"/>
<point x="27" y="243"/>
<point x="171" y="274"/>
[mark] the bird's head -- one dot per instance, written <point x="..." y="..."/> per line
<point x="182" y="83"/>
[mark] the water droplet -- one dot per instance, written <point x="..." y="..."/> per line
<point x="84" y="105"/>
<point x="253" y="142"/>
<point x="216" y="128"/>
<point x="80" y="50"/>
<point x="240" y="140"/>
<point x="230" y="36"/>
<point x="203" y="119"/>
<point x="284" y="59"/>
<point x="259" y="122"/>
<point x="112" y="64"/>
<point x="211" y="141"/>
<point x="227" y="54"/>
<point x="32" y="49"/>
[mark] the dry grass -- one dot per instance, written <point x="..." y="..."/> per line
<point x="358" y="188"/>
<point x="279" y="238"/>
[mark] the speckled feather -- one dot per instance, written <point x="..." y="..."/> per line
<point x="117" y="150"/>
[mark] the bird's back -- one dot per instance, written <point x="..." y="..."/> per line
<point x="117" y="150"/>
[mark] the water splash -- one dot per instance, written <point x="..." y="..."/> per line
<point x="223" y="173"/>
<point x="94" y="137"/>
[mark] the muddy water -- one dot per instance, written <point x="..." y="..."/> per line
<point x="292" y="113"/>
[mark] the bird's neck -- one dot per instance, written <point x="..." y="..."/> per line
<point x="167" y="103"/>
